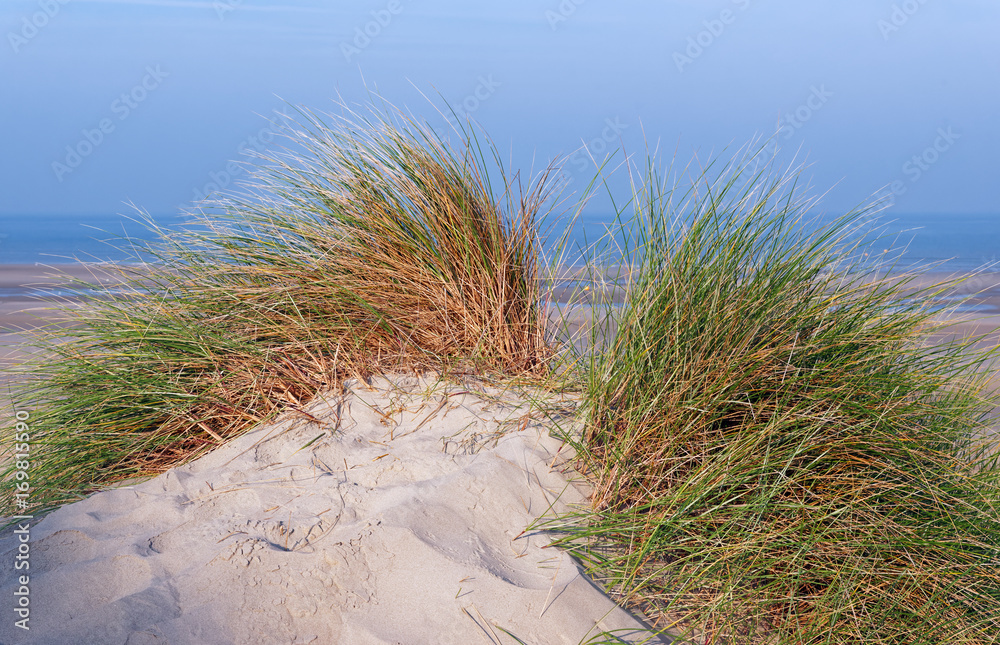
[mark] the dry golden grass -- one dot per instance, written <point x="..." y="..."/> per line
<point x="368" y="246"/>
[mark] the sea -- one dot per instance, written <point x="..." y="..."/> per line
<point x="952" y="242"/>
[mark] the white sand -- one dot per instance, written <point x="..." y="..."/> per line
<point x="381" y="531"/>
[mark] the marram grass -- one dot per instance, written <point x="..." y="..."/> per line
<point x="777" y="455"/>
<point x="367" y="245"/>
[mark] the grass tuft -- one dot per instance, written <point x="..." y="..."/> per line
<point x="365" y="245"/>
<point x="777" y="455"/>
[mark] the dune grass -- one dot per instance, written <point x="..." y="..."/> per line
<point x="777" y="455"/>
<point x="366" y="244"/>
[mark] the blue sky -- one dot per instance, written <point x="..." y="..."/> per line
<point x="109" y="102"/>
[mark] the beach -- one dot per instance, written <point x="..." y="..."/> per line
<point x="398" y="511"/>
<point x="26" y="291"/>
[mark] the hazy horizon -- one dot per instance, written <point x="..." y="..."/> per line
<point x="112" y="102"/>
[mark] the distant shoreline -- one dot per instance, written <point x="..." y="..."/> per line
<point x="21" y="285"/>
<point x="22" y="306"/>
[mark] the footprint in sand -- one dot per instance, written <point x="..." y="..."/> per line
<point x="61" y="549"/>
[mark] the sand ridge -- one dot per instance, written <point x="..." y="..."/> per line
<point x="386" y="515"/>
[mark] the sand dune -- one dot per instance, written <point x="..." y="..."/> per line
<point x="390" y="515"/>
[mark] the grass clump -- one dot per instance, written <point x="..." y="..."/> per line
<point x="777" y="455"/>
<point x="366" y="245"/>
